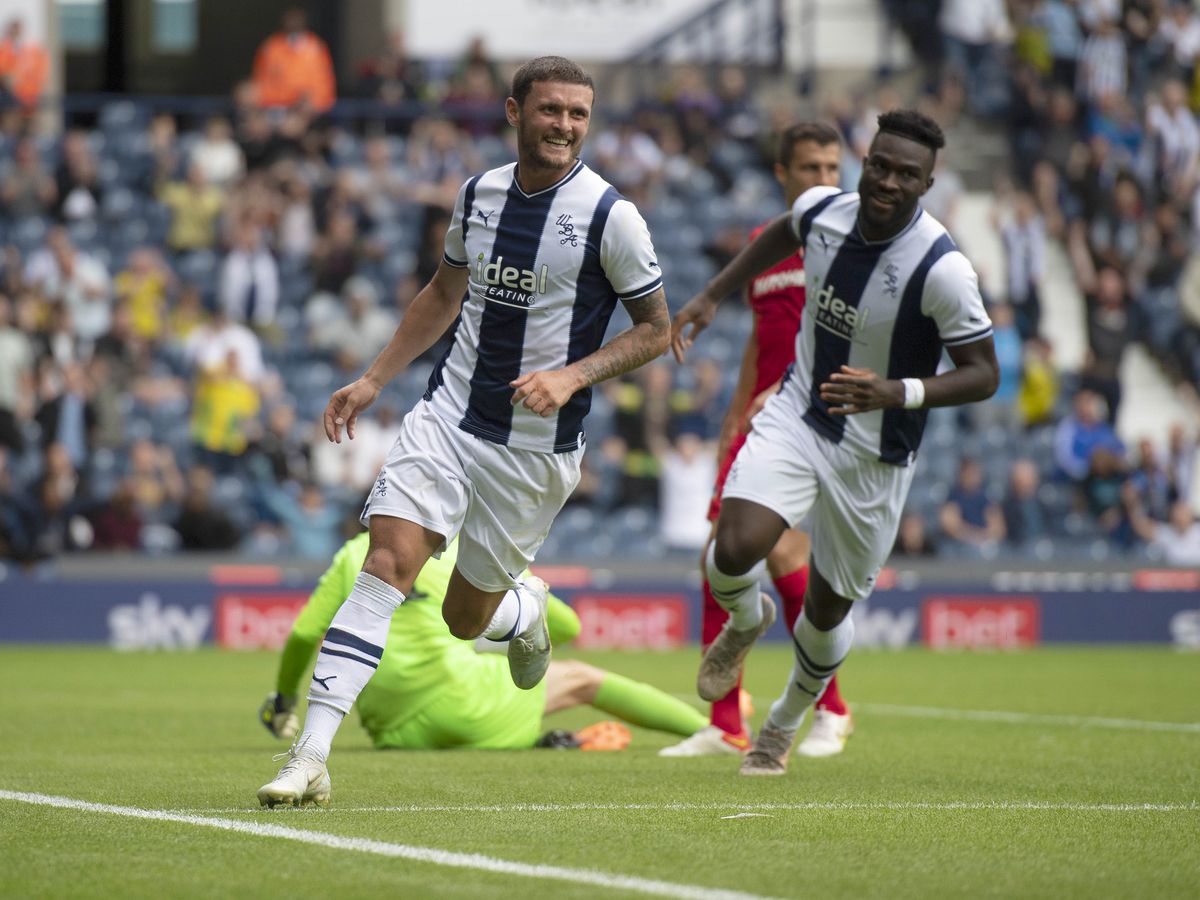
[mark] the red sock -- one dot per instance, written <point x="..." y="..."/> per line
<point x="726" y="712"/>
<point x="791" y="589"/>
<point x="831" y="700"/>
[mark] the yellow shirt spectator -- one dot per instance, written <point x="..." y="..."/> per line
<point x="195" y="207"/>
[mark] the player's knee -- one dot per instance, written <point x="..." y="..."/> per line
<point x="734" y="555"/>
<point x="462" y="623"/>
<point x="395" y="565"/>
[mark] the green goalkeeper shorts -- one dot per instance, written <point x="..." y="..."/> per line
<point x="485" y="711"/>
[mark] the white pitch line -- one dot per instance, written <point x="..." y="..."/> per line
<point x="436" y="857"/>
<point x="1020" y="718"/>
<point x="812" y="806"/>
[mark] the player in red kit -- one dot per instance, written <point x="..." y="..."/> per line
<point x="809" y="155"/>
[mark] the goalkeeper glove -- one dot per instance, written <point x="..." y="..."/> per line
<point x="278" y="716"/>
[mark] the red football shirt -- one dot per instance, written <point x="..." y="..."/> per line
<point x="777" y="296"/>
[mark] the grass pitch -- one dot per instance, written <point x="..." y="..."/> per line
<point x="1089" y="785"/>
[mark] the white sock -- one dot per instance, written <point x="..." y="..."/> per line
<point x="349" y="655"/>
<point x="512" y="616"/>
<point x="818" y="655"/>
<point x="320" y="725"/>
<point x="738" y="595"/>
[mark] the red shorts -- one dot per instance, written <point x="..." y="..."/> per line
<point x="714" y="507"/>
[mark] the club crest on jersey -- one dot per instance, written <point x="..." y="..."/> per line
<point x="508" y="284"/>
<point x="838" y="316"/>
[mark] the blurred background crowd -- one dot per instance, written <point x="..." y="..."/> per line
<point x="181" y="292"/>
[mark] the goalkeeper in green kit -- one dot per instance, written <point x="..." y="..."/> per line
<point x="433" y="691"/>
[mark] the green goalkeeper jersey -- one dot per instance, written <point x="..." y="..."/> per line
<point x="423" y="662"/>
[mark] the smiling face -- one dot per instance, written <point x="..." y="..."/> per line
<point x="896" y="173"/>
<point x="551" y="125"/>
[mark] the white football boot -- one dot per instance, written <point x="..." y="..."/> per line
<point x="529" y="651"/>
<point x="828" y="734"/>
<point x="708" y="741"/>
<point x="301" y="781"/>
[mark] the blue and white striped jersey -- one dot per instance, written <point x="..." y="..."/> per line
<point x="889" y="306"/>
<point x="545" y="273"/>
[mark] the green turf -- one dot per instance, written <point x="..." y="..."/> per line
<point x="177" y="732"/>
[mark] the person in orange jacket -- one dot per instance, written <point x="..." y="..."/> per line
<point x="293" y="66"/>
<point x="24" y="66"/>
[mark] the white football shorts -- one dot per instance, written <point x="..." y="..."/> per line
<point x="850" y="504"/>
<point x="500" y="501"/>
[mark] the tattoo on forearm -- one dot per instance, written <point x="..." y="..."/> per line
<point x="634" y="346"/>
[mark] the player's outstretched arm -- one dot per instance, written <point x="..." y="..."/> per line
<point x="427" y="319"/>
<point x="544" y="392"/>
<point x="775" y="243"/>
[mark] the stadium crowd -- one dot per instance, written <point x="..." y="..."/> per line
<point x="179" y="296"/>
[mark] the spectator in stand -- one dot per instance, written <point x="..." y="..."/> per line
<point x="116" y="524"/>
<point x="1180" y="30"/>
<point x="58" y="498"/>
<point x="195" y="207"/>
<point x="185" y="316"/>
<point x="339" y="253"/>
<point x="28" y="190"/>
<point x="201" y="525"/>
<point x="1024" y="238"/>
<point x="973" y="33"/>
<point x="24" y="67"/>
<point x="280" y="445"/>
<point x="77" y="280"/>
<point x="12" y="272"/>
<point x="154" y="480"/>
<point x="1181" y="461"/>
<point x="688" y="468"/>
<point x="380" y="181"/>
<point x="297" y="230"/>
<point x="471" y="101"/>
<point x="1103" y="63"/>
<point x="217" y="154"/>
<point x="143" y="287"/>
<point x="1176" y="542"/>
<point x="225" y="402"/>
<point x="1064" y="39"/>
<point x="912" y="537"/>
<point x="354" y="330"/>
<point x="1152" y="482"/>
<point x="209" y="344"/>
<point x="249" y="281"/>
<point x="16" y="378"/>
<point x="260" y="144"/>
<point x="163" y="137"/>
<point x="77" y="180"/>
<point x="293" y="67"/>
<point x="1175" y="135"/>
<point x="440" y="159"/>
<point x="968" y="518"/>
<point x="1026" y="518"/>
<point x="1083" y="434"/>
<point x="740" y="115"/>
<point x="1110" y="331"/>
<point x="66" y="414"/>
<point x="630" y="159"/>
<point x="312" y="523"/>
<point x="1001" y="407"/>
<point x="392" y="77"/>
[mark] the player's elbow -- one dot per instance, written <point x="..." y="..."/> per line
<point x="991" y="379"/>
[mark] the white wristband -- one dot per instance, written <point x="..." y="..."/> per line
<point x="914" y="393"/>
